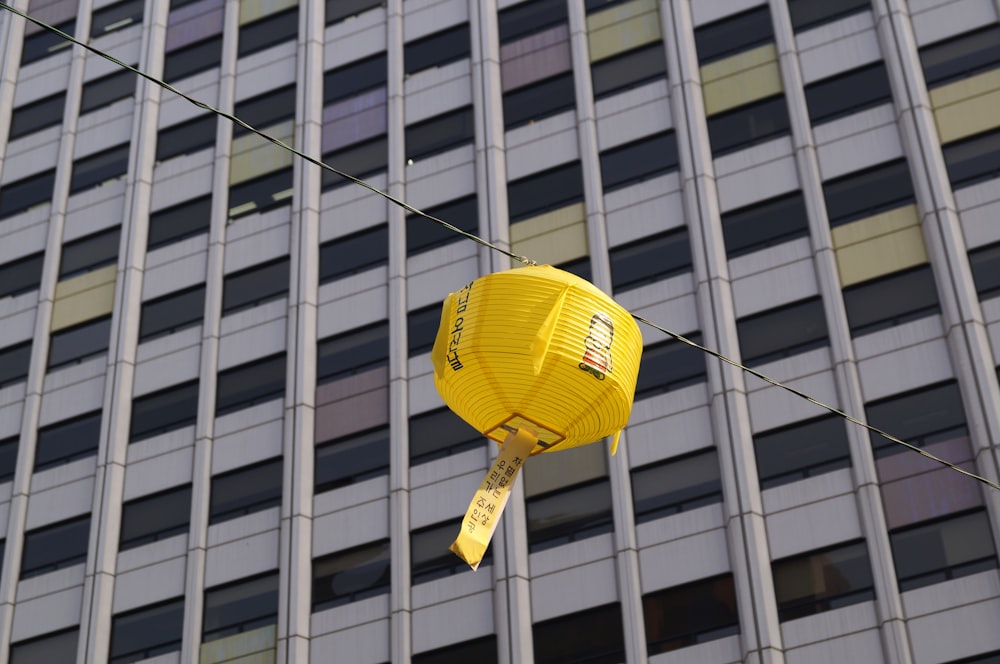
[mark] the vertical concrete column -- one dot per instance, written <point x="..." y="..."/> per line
<point x="748" y="548"/>
<point x="11" y="45"/>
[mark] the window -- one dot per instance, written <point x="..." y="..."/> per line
<point x="973" y="160"/>
<point x="946" y="549"/>
<point x="116" y="17"/>
<point x="437" y="49"/>
<point x="166" y="410"/>
<point x="250" y="384"/>
<point x="59" y="647"/>
<point x="733" y="34"/>
<point x="245" y="491"/>
<point x="588" y="637"/>
<point x="75" y="344"/>
<point x="765" y="224"/>
<point x="37" y="115"/>
<point x="8" y="459"/>
<point x="580" y="267"/>
<point x="628" y="70"/>
<point x="530" y="17"/>
<point x="20" y="196"/>
<point x="921" y="417"/>
<point x="348" y="576"/>
<point x="782" y="332"/>
<point x="800" y="450"/>
<point x="156" y="517"/>
<point x="268" y="31"/>
<point x="171" y="313"/>
<point x="423" y="234"/>
<point x="55" y="547"/>
<point x="192" y="59"/>
<point x="812" y="13"/>
<point x="693" y="613"/>
<point x="360" y="160"/>
<point x="354" y="253"/>
<point x="541" y="192"/>
<point x="240" y="607"/>
<point x="538" y="101"/>
<point x="45" y="43"/>
<point x="986" y="658"/>
<point x="592" y="6"/>
<point x="961" y="56"/>
<point x="261" y="194"/>
<point x="147" y="632"/>
<point x="351" y="459"/>
<point x="848" y="93"/>
<point x="569" y="515"/>
<point x="67" y="441"/>
<point x="89" y="253"/>
<point x="338" y="10"/>
<point x="421" y="328"/>
<point x="670" y="365"/>
<point x="440" y="133"/>
<point x="748" y="125"/>
<point x="440" y="433"/>
<point x="985" y="264"/>
<point x="22" y="275"/>
<point x="650" y="259"/>
<point x="676" y="485"/>
<point x="255" y="285"/>
<point x="429" y="554"/>
<point x="824" y="580"/>
<point x="266" y="109"/>
<point x="99" y="168"/>
<point x="891" y="300"/>
<point x="186" y="138"/>
<point x="873" y="190"/>
<point x="353" y="78"/>
<point x="640" y="160"/>
<point x="179" y="222"/>
<point x="353" y="352"/>
<point x="106" y="90"/>
<point x="480" y="651"/>
<point x="14" y="361"/>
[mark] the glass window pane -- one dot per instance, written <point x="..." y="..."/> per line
<point x="423" y="234"/>
<point x="946" y="549"/>
<point x="116" y="17"/>
<point x="106" y="90"/>
<point x="819" y="581"/>
<point x="244" y="491"/>
<point x="78" y="343"/>
<point x="14" y="361"/>
<point x="268" y="31"/>
<point x="67" y="441"/>
<point x="166" y="410"/>
<point x="179" y="222"/>
<point x="437" y="49"/>
<point x="99" y="168"/>
<point x="693" y="613"/>
<point x="353" y="78"/>
<point x="22" y="195"/>
<point x="847" y="93"/>
<point x="250" y="384"/>
<point x="973" y="160"/>
<point x="59" y="647"/>
<point x="676" y="485"/>
<point x="8" y="459"/>
<point x="156" y="517"/>
<point x="352" y="459"/>
<point x="22" y="275"/>
<point x="628" y="70"/>
<point x="261" y="194"/>
<point x="173" y="312"/>
<point x="593" y="636"/>
<point x="240" y="607"/>
<point x="338" y="10"/>
<point x="985" y="263"/>
<point x="421" y="328"/>
<point x="347" y="576"/>
<point x="45" y="43"/>
<point x="353" y="352"/>
<point x="650" y="259"/>
<point x="430" y="557"/>
<point x="354" y="253"/>
<point x="55" y="547"/>
<point x="530" y="17"/>
<point x="478" y="651"/>
<point x="765" y="224"/>
<point x="361" y="161"/>
<point x="548" y="190"/>
<point x="639" y="160"/>
<point x="186" y="138"/>
<point x="800" y="450"/>
<point x="569" y="515"/>
<point x="864" y="193"/>
<point x="733" y="34"/>
<point x="748" y="125"/>
<point x="440" y="133"/>
<point x="813" y="13"/>
<point x="37" y="115"/>
<point x="192" y="59"/>
<point x="440" y="433"/>
<point x="920" y="417"/>
<point x="266" y="109"/>
<point x="670" y="365"/>
<point x="964" y="55"/>
<point x="782" y="332"/>
<point x="147" y="632"/>
<point x="538" y="101"/>
<point x="89" y="253"/>
<point x="255" y="285"/>
<point x="888" y="301"/>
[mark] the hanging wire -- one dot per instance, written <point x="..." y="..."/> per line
<point x="475" y="238"/>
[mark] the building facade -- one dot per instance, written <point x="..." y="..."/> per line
<point x="219" y="436"/>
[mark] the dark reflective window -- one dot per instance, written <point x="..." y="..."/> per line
<point x="192" y="59"/>
<point x="116" y="17"/>
<point x="353" y="78"/>
<point x="748" y="125"/>
<point x="765" y="224"/>
<point x="68" y="441"/>
<point x="580" y="267"/>
<point x="268" y="31"/>
<point x="99" y="168"/>
<point x="946" y="549"/>
<point x="14" y="361"/>
<point x="888" y="301"/>
<point x="106" y="90"/>
<point x="360" y="160"/>
<point x="639" y="160"/>
<point x="147" y="632"/>
<point x="351" y="459"/>
<point x="171" y="313"/>
<point x="921" y="417"/>
<point x="245" y="491"/>
<point x="59" y="647"/>
<point x="987" y="658"/>
<point x="985" y="264"/>
<point x="480" y="651"/>
<point x="676" y="485"/>
<point x="733" y="34"/>
<point x="338" y="10"/>
<point x="55" y="546"/>
<point x="421" y="328"/>
<point x="628" y="70"/>
<point x="79" y="343"/>
<point x="89" y="253"/>
<point x="864" y="193"/>
<point x="240" y="607"/>
<point x="186" y="138"/>
<point x="440" y="133"/>
<point x="812" y="13"/>
<point x="538" y="101"/>
<point x="824" y="580"/>
<point x="530" y="17"/>
<point x="22" y="275"/>
<point x="354" y="253"/>
<point x="250" y="384"/>
<point x="847" y="93"/>
<point x="166" y="410"/>
<point x="45" y="43"/>
<point x="156" y="517"/>
<point x="593" y="636"/>
<point x="597" y="5"/>
<point x="8" y="460"/>
<point x="423" y="234"/>
<point x="440" y="433"/>
<point x="973" y="160"/>
<point x="437" y="49"/>
<point x="650" y="259"/>
<point x="266" y="109"/>
<point x="961" y="56"/>
<point x="782" y="332"/>
<point x="430" y="557"/>
<point x="800" y="450"/>
<point x="255" y="285"/>
<point x="569" y="515"/>
<point x="548" y="190"/>
<point x="348" y="576"/>
<point x="264" y="193"/>
<point x="179" y="222"/>
<point x="353" y="352"/>
<point x="693" y="613"/>
<point x="24" y="194"/>
<point x="37" y="115"/>
<point x="670" y="365"/>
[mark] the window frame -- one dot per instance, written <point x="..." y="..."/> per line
<point x="69" y="557"/>
<point x="374" y="441"/>
<point x="257" y="497"/>
<point x="378" y="551"/>
<point x="158" y="532"/>
<point x="267" y="391"/>
<point x="149" y="406"/>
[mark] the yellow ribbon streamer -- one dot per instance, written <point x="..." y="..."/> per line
<point x="487" y="505"/>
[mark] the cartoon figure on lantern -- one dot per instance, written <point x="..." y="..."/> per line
<point x="597" y="358"/>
